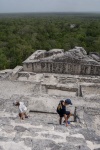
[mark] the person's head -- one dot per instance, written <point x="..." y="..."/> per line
<point x="62" y="102"/>
<point x="68" y="102"/>
<point x="16" y="104"/>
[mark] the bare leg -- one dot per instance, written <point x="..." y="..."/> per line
<point x="22" y="116"/>
<point x="66" y="119"/>
<point x="68" y="116"/>
<point x="25" y="115"/>
<point x="60" y="120"/>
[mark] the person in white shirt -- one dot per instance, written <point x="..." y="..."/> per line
<point x="22" y="110"/>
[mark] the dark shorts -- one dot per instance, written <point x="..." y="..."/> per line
<point x="67" y="113"/>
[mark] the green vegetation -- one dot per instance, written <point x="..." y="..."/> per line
<point x="21" y="35"/>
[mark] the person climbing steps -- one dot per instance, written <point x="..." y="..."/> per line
<point x="61" y="110"/>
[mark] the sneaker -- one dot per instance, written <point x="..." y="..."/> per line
<point x="68" y="122"/>
<point x="26" y="116"/>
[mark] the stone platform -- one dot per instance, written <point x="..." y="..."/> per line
<point x="42" y="131"/>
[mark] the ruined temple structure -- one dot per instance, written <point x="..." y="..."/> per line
<point x="75" y="62"/>
<point x="45" y="78"/>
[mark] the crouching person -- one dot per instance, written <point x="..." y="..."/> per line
<point x="22" y="110"/>
<point x="61" y="110"/>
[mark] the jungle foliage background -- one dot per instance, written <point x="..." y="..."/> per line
<point x="22" y="34"/>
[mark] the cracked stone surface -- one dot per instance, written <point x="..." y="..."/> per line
<point x="42" y="130"/>
<point x="47" y="134"/>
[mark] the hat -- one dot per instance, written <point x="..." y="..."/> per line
<point x="68" y="101"/>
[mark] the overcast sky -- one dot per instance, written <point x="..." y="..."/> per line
<point x="49" y="6"/>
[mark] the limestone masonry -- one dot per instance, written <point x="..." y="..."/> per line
<point x="45" y="78"/>
<point x="74" y="61"/>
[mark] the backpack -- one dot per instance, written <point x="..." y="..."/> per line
<point x="59" y="107"/>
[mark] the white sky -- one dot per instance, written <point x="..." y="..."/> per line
<point x="7" y="6"/>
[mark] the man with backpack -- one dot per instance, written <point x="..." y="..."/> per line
<point x="61" y="110"/>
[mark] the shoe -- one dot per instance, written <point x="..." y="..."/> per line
<point x="68" y="122"/>
<point x="26" y="116"/>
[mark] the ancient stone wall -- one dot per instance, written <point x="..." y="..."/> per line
<point x="61" y="67"/>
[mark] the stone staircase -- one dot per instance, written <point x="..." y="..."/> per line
<point x="42" y="131"/>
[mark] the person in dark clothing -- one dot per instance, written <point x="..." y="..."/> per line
<point x="61" y="110"/>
